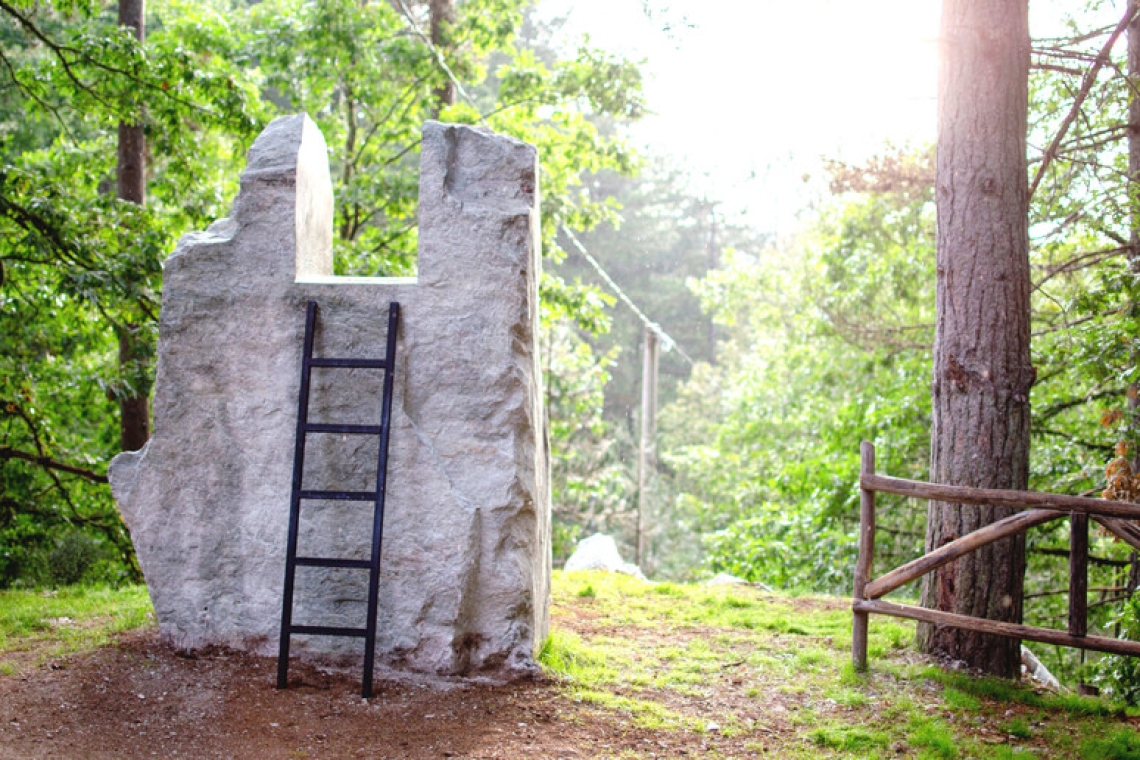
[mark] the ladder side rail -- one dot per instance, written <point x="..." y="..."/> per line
<point x="295" y="496"/>
<point x="381" y="484"/>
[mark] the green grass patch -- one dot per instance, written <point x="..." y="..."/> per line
<point x="933" y="738"/>
<point x="1018" y="728"/>
<point x="74" y="618"/>
<point x="956" y="699"/>
<point x="1001" y="690"/>
<point x="774" y="672"/>
<point x="565" y="654"/>
<point x="849" y="738"/>
<point x="1121" y="745"/>
<point x="644" y="713"/>
<point x="848" y="697"/>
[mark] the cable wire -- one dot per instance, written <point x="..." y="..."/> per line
<point x="667" y="342"/>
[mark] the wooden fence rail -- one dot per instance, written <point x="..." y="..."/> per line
<point x="1039" y="508"/>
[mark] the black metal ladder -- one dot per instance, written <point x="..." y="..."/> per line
<point x="299" y="494"/>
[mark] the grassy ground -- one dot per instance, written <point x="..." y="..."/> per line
<point x="37" y="626"/>
<point x="708" y="672"/>
<point x="775" y="673"/>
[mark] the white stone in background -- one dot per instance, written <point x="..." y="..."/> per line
<point x="466" y="555"/>
<point x="1036" y="670"/>
<point x="600" y="552"/>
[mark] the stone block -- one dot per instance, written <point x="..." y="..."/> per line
<point x="466" y="556"/>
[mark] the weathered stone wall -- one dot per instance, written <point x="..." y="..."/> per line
<point x="466" y="555"/>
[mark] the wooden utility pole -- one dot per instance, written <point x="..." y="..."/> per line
<point x="647" y="461"/>
<point x="134" y="407"/>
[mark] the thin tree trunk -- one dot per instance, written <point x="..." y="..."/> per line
<point x="982" y="370"/>
<point x="442" y="17"/>
<point x="348" y="228"/>
<point x="1134" y="202"/>
<point x="134" y="409"/>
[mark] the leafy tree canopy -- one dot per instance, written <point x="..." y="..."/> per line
<point x="78" y="266"/>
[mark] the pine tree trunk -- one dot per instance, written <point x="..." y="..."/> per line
<point x="982" y="369"/>
<point x="134" y="408"/>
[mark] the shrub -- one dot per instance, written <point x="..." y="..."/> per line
<point x="74" y="554"/>
<point x="1117" y="675"/>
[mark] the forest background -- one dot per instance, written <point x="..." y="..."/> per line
<point x="790" y="349"/>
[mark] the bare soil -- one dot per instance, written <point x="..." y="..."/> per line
<point x="141" y="699"/>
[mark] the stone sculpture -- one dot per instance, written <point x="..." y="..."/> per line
<point x="466" y="558"/>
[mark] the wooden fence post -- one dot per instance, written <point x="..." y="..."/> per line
<point x="1078" y="573"/>
<point x="866" y="557"/>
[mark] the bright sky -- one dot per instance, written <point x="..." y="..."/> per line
<point x="751" y="94"/>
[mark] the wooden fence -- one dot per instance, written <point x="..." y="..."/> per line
<point x="1038" y="508"/>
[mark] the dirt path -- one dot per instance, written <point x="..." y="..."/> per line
<point x="141" y="700"/>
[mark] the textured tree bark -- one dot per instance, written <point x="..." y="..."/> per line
<point x="442" y="17"/>
<point x="134" y="408"/>
<point x="982" y="369"/>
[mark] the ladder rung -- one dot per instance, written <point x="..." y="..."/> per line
<point x="359" y="564"/>
<point x="350" y="429"/>
<point x="324" y="630"/>
<point x="376" y="496"/>
<point x="350" y="363"/>
<point x="339" y="495"/>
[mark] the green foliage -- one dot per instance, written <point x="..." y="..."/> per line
<point x="1118" y="676"/>
<point x="367" y="81"/>
<point x="662" y="235"/>
<point x="783" y="547"/>
<point x="827" y="344"/>
<point x="80" y="269"/>
<point x="74" y="554"/>
<point x="590" y="485"/>
<point x="1005" y="691"/>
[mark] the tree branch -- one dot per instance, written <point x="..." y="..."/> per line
<point x="57" y="50"/>
<point x="1086" y="88"/>
<point x="7" y="452"/>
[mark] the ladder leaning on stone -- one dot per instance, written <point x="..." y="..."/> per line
<point x="299" y="494"/>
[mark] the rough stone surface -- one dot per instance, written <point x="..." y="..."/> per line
<point x="600" y="552"/>
<point x="466" y="556"/>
